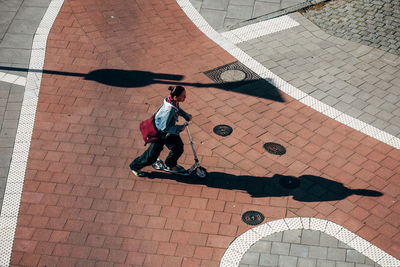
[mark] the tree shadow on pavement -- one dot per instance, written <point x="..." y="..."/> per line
<point x="306" y="188"/>
<point x="136" y="78"/>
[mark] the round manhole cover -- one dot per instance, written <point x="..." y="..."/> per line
<point x="233" y="76"/>
<point x="223" y="130"/>
<point x="252" y="217"/>
<point x="289" y="182"/>
<point x="275" y="148"/>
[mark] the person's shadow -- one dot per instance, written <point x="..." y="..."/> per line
<point x="136" y="78"/>
<point x="306" y="188"/>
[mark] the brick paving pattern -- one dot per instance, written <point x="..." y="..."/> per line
<point x="82" y="207"/>
<point x="358" y="80"/>
<point x="303" y="248"/>
<point x="375" y="23"/>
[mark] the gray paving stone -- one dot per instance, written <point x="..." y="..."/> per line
<point x="6" y="17"/>
<point x="344" y="264"/>
<point x="17" y="40"/>
<point x="6" y="142"/>
<point x="217" y="5"/>
<point x="318" y="252"/>
<point x="268" y="260"/>
<point x="336" y="254"/>
<point x="301" y="262"/>
<point x="229" y="22"/>
<point x="239" y="12"/>
<point x="343" y="245"/>
<point x="287" y="261"/>
<point x="214" y="17"/>
<point x="250" y="258"/>
<point x="8" y="133"/>
<point x="261" y="8"/>
<point x="261" y="246"/>
<point x="280" y="248"/>
<point x="10" y="124"/>
<point x="20" y="26"/>
<point x="242" y="2"/>
<point x="325" y="263"/>
<point x="342" y="106"/>
<point x="12" y="55"/>
<point x="299" y="250"/>
<point x="36" y="3"/>
<point x="330" y="100"/>
<point x="11" y="114"/>
<point x="274" y="237"/>
<point x="328" y="241"/>
<point x="33" y="14"/>
<point x="310" y="237"/>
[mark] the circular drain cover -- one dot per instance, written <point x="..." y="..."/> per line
<point x="252" y="217"/>
<point x="275" y="148"/>
<point x="233" y="76"/>
<point x="289" y="182"/>
<point x="223" y="130"/>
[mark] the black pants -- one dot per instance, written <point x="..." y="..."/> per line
<point x="172" y="142"/>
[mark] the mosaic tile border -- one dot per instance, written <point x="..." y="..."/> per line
<point x="16" y="176"/>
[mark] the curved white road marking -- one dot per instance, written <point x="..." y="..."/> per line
<point x="285" y="87"/>
<point x="16" y="175"/>
<point x="242" y="243"/>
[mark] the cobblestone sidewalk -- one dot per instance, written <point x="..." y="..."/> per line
<point x="375" y="23"/>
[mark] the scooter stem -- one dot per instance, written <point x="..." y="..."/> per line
<point x="191" y="142"/>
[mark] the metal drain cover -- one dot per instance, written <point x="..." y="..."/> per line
<point x="252" y="217"/>
<point x="223" y="130"/>
<point x="233" y="76"/>
<point x="231" y="73"/>
<point x="289" y="182"/>
<point x="275" y="148"/>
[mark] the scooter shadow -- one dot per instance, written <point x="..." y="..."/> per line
<point x="306" y="188"/>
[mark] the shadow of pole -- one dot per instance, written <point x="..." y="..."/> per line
<point x="310" y="188"/>
<point x="136" y="78"/>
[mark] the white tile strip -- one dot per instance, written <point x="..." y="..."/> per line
<point x="228" y="40"/>
<point x="242" y="243"/>
<point x="259" y="29"/>
<point x="13" y="79"/>
<point x="16" y="175"/>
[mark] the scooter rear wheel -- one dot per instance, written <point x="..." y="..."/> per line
<point x="201" y="172"/>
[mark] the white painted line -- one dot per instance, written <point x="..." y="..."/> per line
<point x="259" y="29"/>
<point x="228" y="40"/>
<point x="16" y="175"/>
<point x="240" y="245"/>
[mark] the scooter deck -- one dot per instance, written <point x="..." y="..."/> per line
<point x="183" y="173"/>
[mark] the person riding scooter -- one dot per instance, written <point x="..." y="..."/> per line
<point x="165" y="122"/>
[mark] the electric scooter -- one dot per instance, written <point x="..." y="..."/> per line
<point x="196" y="167"/>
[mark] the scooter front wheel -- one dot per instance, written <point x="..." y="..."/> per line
<point x="201" y="172"/>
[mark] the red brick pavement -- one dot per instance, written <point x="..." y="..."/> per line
<point x="82" y="207"/>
